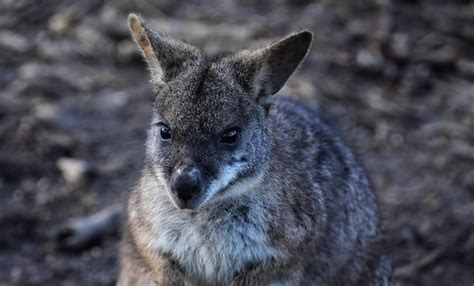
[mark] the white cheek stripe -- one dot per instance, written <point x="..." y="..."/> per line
<point x="241" y="186"/>
<point x="227" y="175"/>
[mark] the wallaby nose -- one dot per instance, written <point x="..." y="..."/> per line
<point x="186" y="184"/>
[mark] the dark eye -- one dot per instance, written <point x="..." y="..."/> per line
<point x="230" y="136"/>
<point x="165" y="132"/>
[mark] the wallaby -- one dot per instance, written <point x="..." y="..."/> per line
<point x="241" y="187"/>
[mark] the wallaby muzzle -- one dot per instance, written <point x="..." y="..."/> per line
<point x="185" y="186"/>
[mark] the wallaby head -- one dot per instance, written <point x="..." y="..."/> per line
<point x="208" y="138"/>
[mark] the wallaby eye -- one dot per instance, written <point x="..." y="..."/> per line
<point x="230" y="136"/>
<point x="165" y="132"/>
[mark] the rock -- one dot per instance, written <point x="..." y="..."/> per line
<point x="61" y="21"/>
<point x="465" y="67"/>
<point x="57" y="50"/>
<point x="127" y="51"/>
<point x="46" y="111"/>
<point x="14" y="41"/>
<point x="79" y="233"/>
<point x="400" y="45"/>
<point x="76" y="172"/>
<point x="370" y="60"/>
<point x="443" y="56"/>
<point x="92" y="42"/>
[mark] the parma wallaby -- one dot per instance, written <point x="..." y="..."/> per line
<point x="241" y="187"/>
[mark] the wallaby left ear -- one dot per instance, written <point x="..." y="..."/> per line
<point x="165" y="56"/>
<point x="266" y="70"/>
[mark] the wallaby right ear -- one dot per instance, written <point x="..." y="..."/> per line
<point x="264" y="71"/>
<point x="166" y="57"/>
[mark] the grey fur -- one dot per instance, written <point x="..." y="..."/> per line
<point x="289" y="205"/>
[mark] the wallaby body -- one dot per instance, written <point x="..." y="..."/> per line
<point x="240" y="190"/>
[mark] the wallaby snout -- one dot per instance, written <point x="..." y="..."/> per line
<point x="186" y="186"/>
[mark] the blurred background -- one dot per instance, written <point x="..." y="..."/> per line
<point x="396" y="76"/>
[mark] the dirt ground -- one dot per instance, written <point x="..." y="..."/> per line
<point x="397" y="77"/>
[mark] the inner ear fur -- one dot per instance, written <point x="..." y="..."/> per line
<point x="166" y="57"/>
<point x="265" y="71"/>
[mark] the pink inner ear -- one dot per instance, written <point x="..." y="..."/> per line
<point x="142" y="39"/>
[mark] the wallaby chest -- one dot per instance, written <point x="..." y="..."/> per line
<point x="212" y="245"/>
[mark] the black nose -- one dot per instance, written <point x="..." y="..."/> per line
<point x="186" y="184"/>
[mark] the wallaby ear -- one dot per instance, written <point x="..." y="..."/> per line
<point x="166" y="57"/>
<point x="266" y="70"/>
